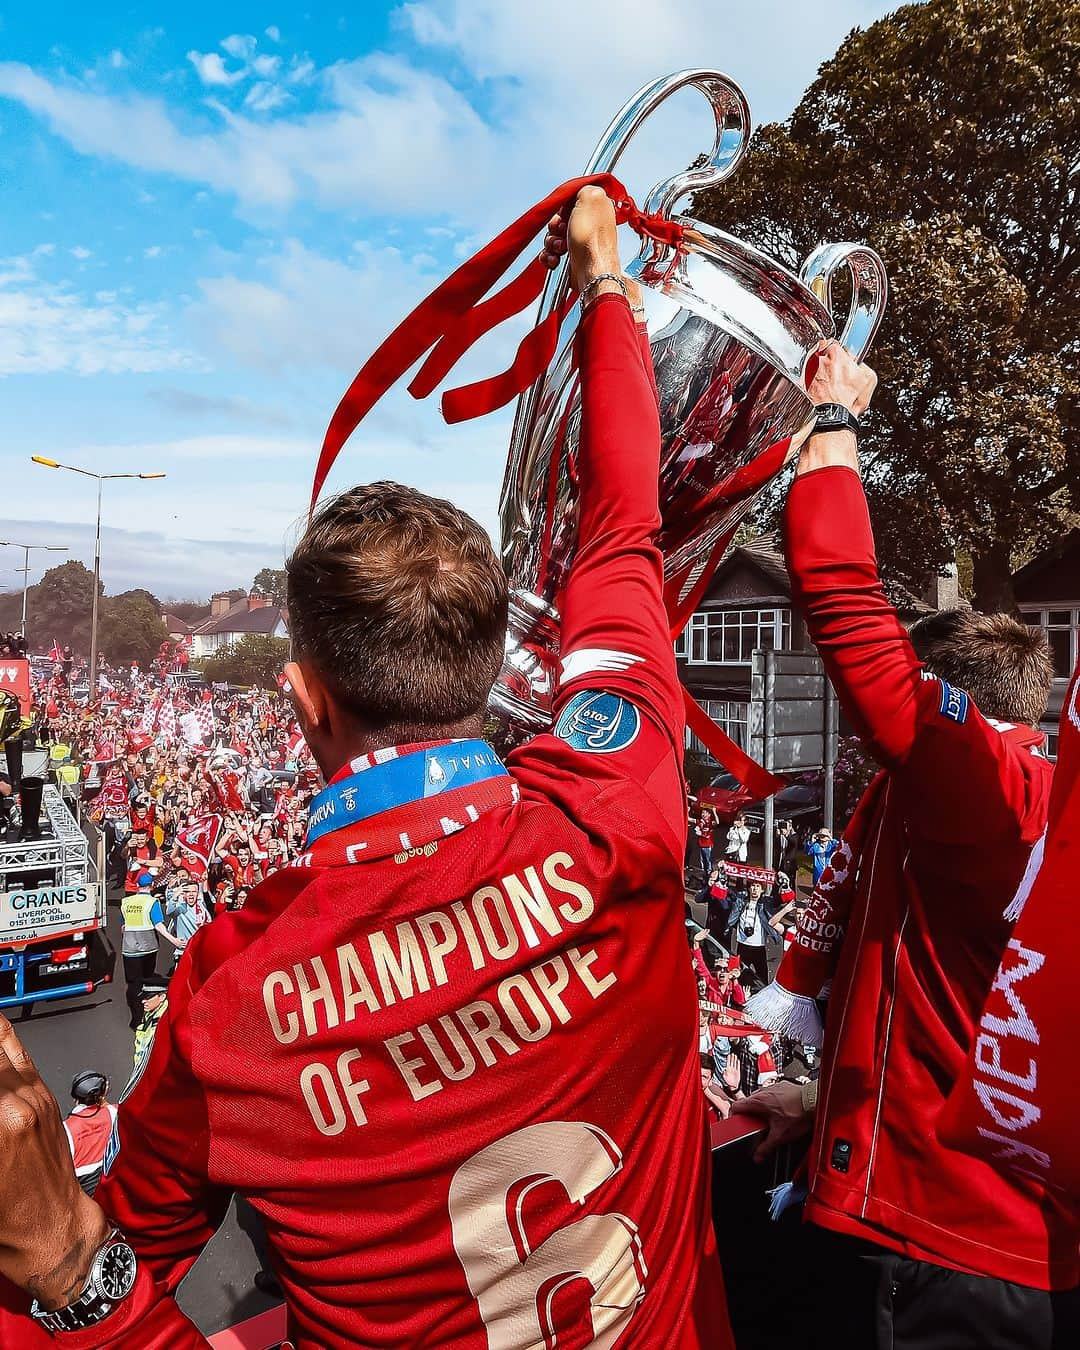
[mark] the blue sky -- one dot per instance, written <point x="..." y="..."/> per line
<point x="212" y="214"/>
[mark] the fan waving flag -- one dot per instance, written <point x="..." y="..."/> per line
<point x="112" y="801"/>
<point x="56" y="654"/>
<point x="198" y="842"/>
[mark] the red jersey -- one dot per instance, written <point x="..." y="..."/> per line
<point x="1017" y="1101"/>
<point x="459" y="1080"/>
<point x="965" y="801"/>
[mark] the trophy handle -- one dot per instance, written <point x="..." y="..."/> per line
<point x="869" y="289"/>
<point x="732" y="113"/>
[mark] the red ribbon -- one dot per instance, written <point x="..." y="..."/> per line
<point x="451" y="320"/>
<point x="454" y="317"/>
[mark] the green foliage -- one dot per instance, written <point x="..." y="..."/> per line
<point x="59" y="607"/>
<point x="947" y="136"/>
<point x="254" y="660"/>
<point x="270" y="582"/>
<point x="130" y="628"/>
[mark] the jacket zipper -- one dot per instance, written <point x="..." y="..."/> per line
<point x="885" y="1051"/>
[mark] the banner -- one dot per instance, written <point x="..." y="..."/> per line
<point x="198" y="842"/>
<point x="15" y="678"/>
<point x="112" y="802"/>
<point x="47" y="912"/>
<point x="748" y="872"/>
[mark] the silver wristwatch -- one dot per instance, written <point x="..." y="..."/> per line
<point x="111" y="1280"/>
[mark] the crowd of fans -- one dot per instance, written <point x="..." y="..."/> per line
<point x="194" y="812"/>
<point x="739" y="926"/>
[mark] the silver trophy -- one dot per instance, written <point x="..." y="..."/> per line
<point x="731" y="334"/>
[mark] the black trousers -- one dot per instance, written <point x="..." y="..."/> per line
<point x="867" y="1298"/>
<point x="137" y="969"/>
<point x="755" y="959"/>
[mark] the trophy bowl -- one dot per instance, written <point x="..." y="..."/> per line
<point x="732" y="333"/>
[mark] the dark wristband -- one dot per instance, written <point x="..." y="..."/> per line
<point x="835" y="417"/>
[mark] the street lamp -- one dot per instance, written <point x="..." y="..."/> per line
<point x="25" y="569"/>
<point x="101" y="477"/>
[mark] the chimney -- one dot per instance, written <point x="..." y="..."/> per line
<point x="944" y="592"/>
<point x="219" y="604"/>
<point x="257" y="602"/>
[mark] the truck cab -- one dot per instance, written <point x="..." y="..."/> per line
<point x="52" y="909"/>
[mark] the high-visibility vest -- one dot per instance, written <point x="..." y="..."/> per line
<point x="88" y="1129"/>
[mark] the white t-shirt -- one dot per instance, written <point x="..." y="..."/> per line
<point x="738" y="836"/>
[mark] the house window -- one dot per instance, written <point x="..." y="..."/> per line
<point x="1062" y="629"/>
<point x="729" y="637"/>
<point x="730" y="716"/>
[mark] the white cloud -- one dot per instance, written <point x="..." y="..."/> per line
<point x="274" y="33"/>
<point x="154" y="251"/>
<point x="266" y="67"/>
<point x="397" y="137"/>
<point x="79" y="252"/>
<point x="240" y="45"/>
<point x="301" y="69"/>
<point x="210" y="68"/>
<point x="117" y="59"/>
<point x="46" y="327"/>
<point x="264" y="97"/>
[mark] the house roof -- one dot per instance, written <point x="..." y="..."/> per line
<point x="174" y="624"/>
<point x="766" y="553"/>
<point x="240" y="619"/>
<point x="1046" y="562"/>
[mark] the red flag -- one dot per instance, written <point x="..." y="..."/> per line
<point x="112" y="802"/>
<point x="105" y="750"/>
<point x="198" y="842"/>
<point x="56" y="654"/>
<point x="138" y="741"/>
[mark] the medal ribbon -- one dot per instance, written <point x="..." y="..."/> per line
<point x="405" y="784"/>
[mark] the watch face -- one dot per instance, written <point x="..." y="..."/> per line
<point x="116" y="1272"/>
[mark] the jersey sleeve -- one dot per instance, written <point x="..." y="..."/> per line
<point x="156" y="1188"/>
<point x="961" y="781"/>
<point x="618" y="709"/>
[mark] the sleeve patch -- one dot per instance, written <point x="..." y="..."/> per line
<point x="954" y="703"/>
<point x="598" y="723"/>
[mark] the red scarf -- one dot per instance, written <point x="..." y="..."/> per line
<point x="789" y="1005"/>
<point x="453" y="317"/>
<point x="411" y="827"/>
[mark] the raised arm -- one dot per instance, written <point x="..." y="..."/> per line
<point x="959" y="780"/>
<point x="618" y="689"/>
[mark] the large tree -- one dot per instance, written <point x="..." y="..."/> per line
<point x="270" y="582"/>
<point x="253" y="659"/>
<point x="59" y="607"/>
<point x="130" y="628"/>
<point x="948" y="136"/>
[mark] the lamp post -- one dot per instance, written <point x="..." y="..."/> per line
<point x="25" y="569"/>
<point x="101" y="477"/>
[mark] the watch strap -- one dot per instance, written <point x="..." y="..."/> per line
<point x="93" y="1305"/>
<point x="835" y="417"/>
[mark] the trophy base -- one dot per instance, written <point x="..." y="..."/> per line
<point x="523" y="696"/>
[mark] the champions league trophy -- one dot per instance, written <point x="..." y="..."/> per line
<point x="731" y="333"/>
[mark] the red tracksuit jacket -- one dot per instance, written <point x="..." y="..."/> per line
<point x="966" y="800"/>
<point x="1017" y="1102"/>
<point x="539" y="1165"/>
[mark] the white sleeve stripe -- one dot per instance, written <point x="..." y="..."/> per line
<point x="587" y="660"/>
